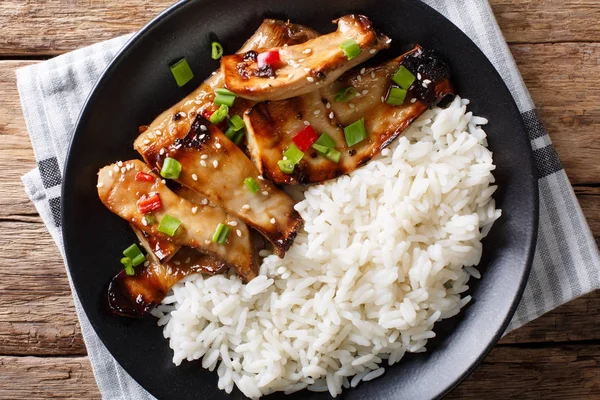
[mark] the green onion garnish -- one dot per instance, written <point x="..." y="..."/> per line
<point x="236" y="122"/>
<point x="224" y="96"/>
<point x="293" y="154"/>
<point x="333" y="155"/>
<point x="286" y="166"/>
<point x="403" y="77"/>
<point x="251" y="184"/>
<point x="355" y="132"/>
<point x="149" y="219"/>
<point x="325" y="140"/>
<point x="320" y="148"/>
<point x="345" y="94"/>
<point x="220" y="114"/>
<point x="396" y="96"/>
<point x="171" y="168"/>
<point x="134" y="253"/>
<point x="234" y="136"/>
<point x="169" y="225"/>
<point x="350" y="48"/>
<point x="221" y="234"/>
<point x="216" y="50"/>
<point x="128" y="264"/>
<point x="182" y="72"/>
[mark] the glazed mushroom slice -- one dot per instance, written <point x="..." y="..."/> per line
<point x="283" y="72"/>
<point x="133" y="196"/>
<point x="215" y="167"/>
<point x="272" y="125"/>
<point x="176" y="121"/>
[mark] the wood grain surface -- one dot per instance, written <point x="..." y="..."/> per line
<point x="42" y="354"/>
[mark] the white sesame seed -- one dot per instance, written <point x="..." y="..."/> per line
<point x="202" y="136"/>
<point x="307" y="51"/>
<point x="284" y="158"/>
<point x="426" y="81"/>
<point x="245" y="207"/>
<point x="120" y="163"/>
<point x="203" y="157"/>
<point x="238" y="232"/>
<point x="146" y="141"/>
<point x="232" y="223"/>
<point x="328" y="105"/>
<point x="198" y="102"/>
<point x="306" y="123"/>
<point x="372" y="74"/>
<point x="385" y="152"/>
<point x="163" y="181"/>
<point x="215" y="163"/>
<point x="187" y="260"/>
<point x="100" y="184"/>
<point x="144" y="222"/>
<point x="218" y="145"/>
<point x="351" y="105"/>
<point x="207" y="241"/>
<point x="424" y="85"/>
<point x="418" y="75"/>
<point x="362" y="70"/>
<point x="388" y="41"/>
<point x="194" y="210"/>
<point x="291" y="75"/>
<point x="213" y="73"/>
<point x="310" y="79"/>
<point x="183" y="115"/>
<point x="285" y="45"/>
<point x="364" y="92"/>
<point x="129" y="166"/>
<point x="203" y="163"/>
<point x="110" y="173"/>
<point x="260" y="178"/>
<point x="382" y="99"/>
<point x="317" y="112"/>
<point x="203" y="128"/>
<point x="306" y="69"/>
<point x="146" y="263"/>
<point x="195" y="177"/>
<point x="414" y="99"/>
<point x="372" y="51"/>
<point x="157" y="132"/>
<point x="162" y="151"/>
<point x="331" y="115"/>
<point x="272" y="220"/>
<point x="301" y="60"/>
<point x="123" y="169"/>
<point x="265" y="193"/>
<point x="271" y="77"/>
<point x="177" y="262"/>
<point x="359" y="78"/>
<point x="204" y="202"/>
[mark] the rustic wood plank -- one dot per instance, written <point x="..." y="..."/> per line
<point x="47" y="378"/>
<point x="30" y="28"/>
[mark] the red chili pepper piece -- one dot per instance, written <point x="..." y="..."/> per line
<point x="271" y="58"/>
<point x="150" y="204"/>
<point x="305" y="138"/>
<point x="142" y="176"/>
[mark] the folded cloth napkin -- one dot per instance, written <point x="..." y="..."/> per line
<point x="566" y="263"/>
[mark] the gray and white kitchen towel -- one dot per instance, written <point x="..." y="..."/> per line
<point x="566" y="263"/>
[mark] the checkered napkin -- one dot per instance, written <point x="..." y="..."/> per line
<point x="566" y="263"/>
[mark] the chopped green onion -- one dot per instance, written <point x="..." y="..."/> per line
<point x="286" y="166"/>
<point x="396" y="96"/>
<point x="293" y="154"/>
<point x="226" y="99"/>
<point x="236" y="122"/>
<point x="169" y="225"/>
<point x="224" y="91"/>
<point x="128" y="264"/>
<point x="134" y="253"/>
<point x="149" y="219"/>
<point x="171" y="168"/>
<point x="216" y="50"/>
<point x="403" y="77"/>
<point x="350" y="48"/>
<point x="251" y="184"/>
<point x="333" y="155"/>
<point x="320" y="148"/>
<point x="345" y="94"/>
<point x="221" y="234"/>
<point x="220" y="114"/>
<point x="325" y="140"/>
<point x="182" y="72"/>
<point x="233" y="135"/>
<point x="355" y="132"/>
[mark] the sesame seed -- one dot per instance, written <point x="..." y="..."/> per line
<point x="238" y="232"/>
<point x="317" y="112"/>
<point x="215" y="163"/>
<point x="203" y="157"/>
<point x="284" y="158"/>
<point x="359" y="78"/>
<point x="157" y="132"/>
<point x="307" y="51"/>
<point x="310" y="79"/>
<point x="195" y="177"/>
<point x="194" y="210"/>
<point x="272" y="220"/>
<point x="362" y="71"/>
<point x="218" y="145"/>
<point x="271" y="77"/>
<point x="110" y="173"/>
<point x="203" y="128"/>
<point x="207" y="241"/>
<point x="424" y="85"/>
<point x="372" y="74"/>
<point x="198" y="102"/>
<point x="120" y="163"/>
<point x="260" y="178"/>
<point x="100" y="184"/>
<point x="204" y="202"/>
<point x="232" y="223"/>
<point x="388" y="41"/>
<point x="285" y="45"/>
<point x="265" y="193"/>
<point x="123" y="169"/>
<point x="177" y="262"/>
<point x="382" y="99"/>
<point x="187" y="260"/>
<point x="372" y="51"/>
<point x="291" y="75"/>
<point x="202" y="136"/>
<point x="306" y="69"/>
<point x="213" y="73"/>
<point x="385" y="152"/>
<point x="328" y="105"/>
<point x="144" y="222"/>
<point x="163" y="181"/>
<point x="129" y="166"/>
<point x="183" y="115"/>
<point x="331" y="115"/>
<point x="203" y="163"/>
<point x="245" y="207"/>
<point x="301" y="60"/>
<point x="365" y="92"/>
<point x="146" y="141"/>
<point x="162" y="151"/>
<point x="146" y="263"/>
<point x="414" y="99"/>
<point x="306" y="123"/>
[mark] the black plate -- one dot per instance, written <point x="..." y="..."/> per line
<point x="138" y="85"/>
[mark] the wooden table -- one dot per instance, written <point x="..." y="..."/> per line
<point x="42" y="354"/>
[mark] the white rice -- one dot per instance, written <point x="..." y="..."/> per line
<point x="385" y="253"/>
